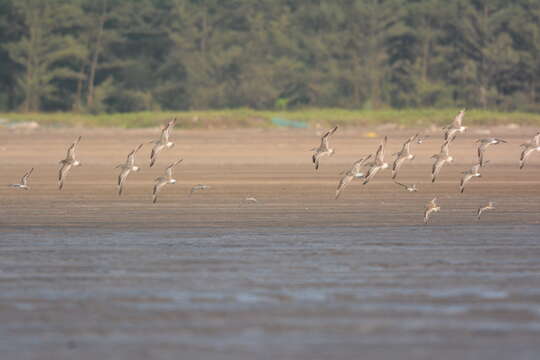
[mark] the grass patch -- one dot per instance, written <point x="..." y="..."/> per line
<point x="242" y="118"/>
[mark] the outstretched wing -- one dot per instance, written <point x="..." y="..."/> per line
<point x="397" y="164"/>
<point x="436" y="169"/>
<point x="71" y="150"/>
<point x="62" y="173"/>
<point x="131" y="156"/>
<point x="379" y="156"/>
<point x="343" y="182"/>
<point x="169" y="169"/>
<point x="324" y="139"/>
<point x="371" y="173"/>
<point x="122" y="179"/>
<point x="458" y="120"/>
<point x="24" y="179"/>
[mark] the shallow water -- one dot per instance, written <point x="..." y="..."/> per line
<point x="417" y="292"/>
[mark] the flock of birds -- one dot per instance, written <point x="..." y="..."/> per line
<point x="368" y="166"/>
<point x="126" y="168"/>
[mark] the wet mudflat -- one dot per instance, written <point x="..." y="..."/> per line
<point x="85" y="274"/>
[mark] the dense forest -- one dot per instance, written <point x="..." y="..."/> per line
<point x="131" y="55"/>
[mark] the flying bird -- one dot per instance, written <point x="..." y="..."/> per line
<point x="163" y="142"/>
<point x="481" y="209"/>
<point x="126" y="168"/>
<point x="68" y="163"/>
<point x="378" y="164"/>
<point x="164" y="180"/>
<point x="403" y="154"/>
<point x="484" y="144"/>
<point x="353" y="173"/>
<point x="323" y="149"/>
<point x="431" y="207"/>
<point x="409" y="188"/>
<point x="456" y="127"/>
<point x="528" y="148"/>
<point x="24" y="181"/>
<point x="468" y="175"/>
<point x="443" y="157"/>
<point x="198" y="187"/>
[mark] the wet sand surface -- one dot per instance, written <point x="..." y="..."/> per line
<point x="298" y="275"/>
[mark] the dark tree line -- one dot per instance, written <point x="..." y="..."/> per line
<point x="133" y="55"/>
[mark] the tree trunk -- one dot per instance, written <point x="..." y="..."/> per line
<point x="95" y="56"/>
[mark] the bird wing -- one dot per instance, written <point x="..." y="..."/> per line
<point x="445" y="148"/>
<point x="62" y="173"/>
<point x="436" y="169"/>
<point x="25" y="177"/>
<point x="324" y="138"/>
<point x="343" y="182"/>
<point x="536" y="139"/>
<point x="458" y="120"/>
<point x="169" y="169"/>
<point x="397" y="164"/>
<point x="71" y="150"/>
<point x="371" y="173"/>
<point x="357" y="165"/>
<point x="131" y="156"/>
<point x="379" y="156"/>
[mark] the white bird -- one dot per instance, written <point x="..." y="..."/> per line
<point x="443" y="157"/>
<point x="468" y="175"/>
<point x="528" y="148"/>
<point x="163" y="141"/>
<point x="431" y="207"/>
<point x="68" y="163"/>
<point x="126" y="168"/>
<point x="164" y="180"/>
<point x="378" y="164"/>
<point x="24" y="181"/>
<point x="404" y="154"/>
<point x="484" y="144"/>
<point x="323" y="149"/>
<point x="481" y="209"/>
<point x="353" y="173"/>
<point x="199" y="187"/>
<point x="456" y="126"/>
<point x="409" y="188"/>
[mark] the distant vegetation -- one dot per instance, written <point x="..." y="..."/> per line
<point x="260" y="118"/>
<point x="113" y="56"/>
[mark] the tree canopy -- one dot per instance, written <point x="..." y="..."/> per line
<point x="132" y="55"/>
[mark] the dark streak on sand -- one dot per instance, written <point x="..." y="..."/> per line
<point x="87" y="275"/>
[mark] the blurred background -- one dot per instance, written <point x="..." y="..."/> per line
<point x="110" y="56"/>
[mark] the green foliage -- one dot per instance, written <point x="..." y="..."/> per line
<point x="146" y="55"/>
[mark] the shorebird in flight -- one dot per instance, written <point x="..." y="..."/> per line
<point x="68" y="163"/>
<point x="443" y="157"/>
<point x="431" y="207"/>
<point x="378" y="164"/>
<point x="163" y="142"/>
<point x="164" y="180"/>
<point x="407" y="187"/>
<point x="404" y="154"/>
<point x="126" y="168"/>
<point x="481" y="209"/>
<point x="323" y="149"/>
<point x="528" y="148"/>
<point x="198" y="187"/>
<point x="484" y="144"/>
<point x="456" y="127"/>
<point x="353" y="173"/>
<point x="24" y="181"/>
<point x="468" y="175"/>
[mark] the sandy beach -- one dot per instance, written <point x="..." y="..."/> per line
<point x="85" y="273"/>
